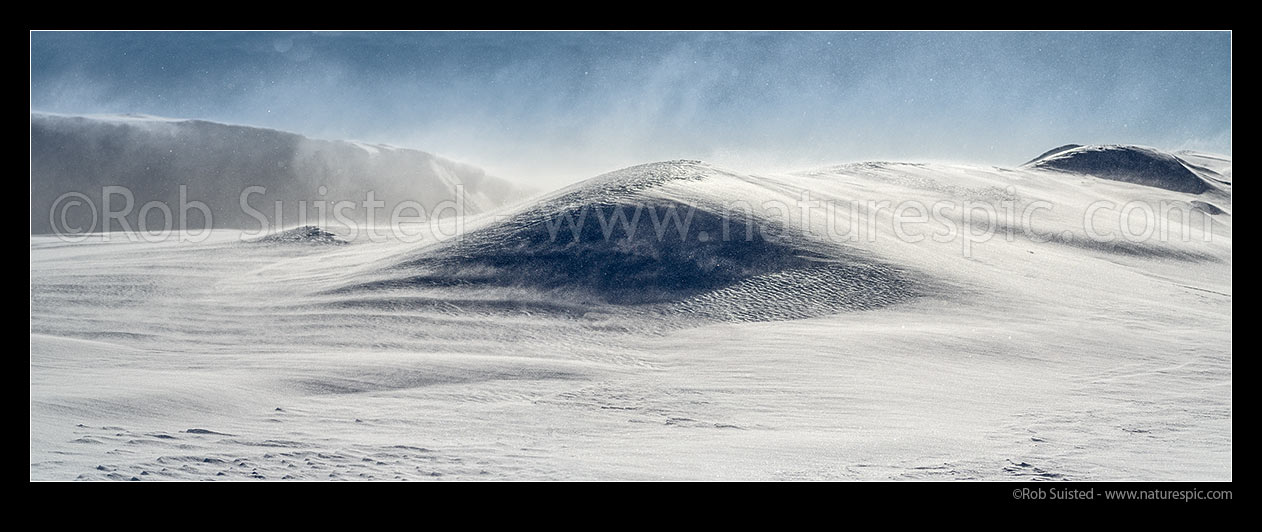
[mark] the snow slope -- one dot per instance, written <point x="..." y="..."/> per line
<point x="216" y="163"/>
<point x="829" y="343"/>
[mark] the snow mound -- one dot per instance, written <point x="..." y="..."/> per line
<point x="1132" y="164"/>
<point x="307" y="234"/>
<point x="622" y="239"/>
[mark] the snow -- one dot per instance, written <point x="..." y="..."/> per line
<point x="371" y="149"/>
<point x="307" y="234"/>
<point x="499" y="355"/>
<point x="179" y="162"/>
<point x="1133" y="164"/>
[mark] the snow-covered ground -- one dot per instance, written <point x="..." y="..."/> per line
<point x="1016" y="345"/>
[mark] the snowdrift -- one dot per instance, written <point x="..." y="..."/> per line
<point x="1131" y="164"/>
<point x="307" y="234"/>
<point x="661" y="233"/>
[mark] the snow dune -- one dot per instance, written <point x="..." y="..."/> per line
<point x="663" y="233"/>
<point x="307" y="234"/>
<point x="1132" y="164"/>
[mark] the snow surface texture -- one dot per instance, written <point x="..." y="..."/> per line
<point x="787" y="355"/>
<point x="216" y="163"/>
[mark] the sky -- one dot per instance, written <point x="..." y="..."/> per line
<point x="552" y="108"/>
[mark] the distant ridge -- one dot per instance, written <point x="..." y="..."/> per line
<point x="153" y="157"/>
<point x="1132" y="164"/>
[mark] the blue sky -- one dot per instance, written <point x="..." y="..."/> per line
<point x="552" y="108"/>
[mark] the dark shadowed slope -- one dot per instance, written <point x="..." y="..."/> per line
<point x="645" y="236"/>
<point x="216" y="163"/>
<point x="1131" y="164"/>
